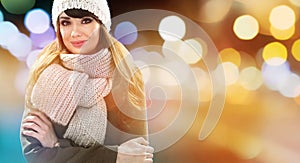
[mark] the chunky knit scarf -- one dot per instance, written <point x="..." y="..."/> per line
<point x="72" y="94"/>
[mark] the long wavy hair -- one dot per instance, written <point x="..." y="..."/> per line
<point x="121" y="57"/>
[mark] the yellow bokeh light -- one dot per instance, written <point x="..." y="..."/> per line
<point x="231" y="72"/>
<point x="251" y="78"/>
<point x="246" y="27"/>
<point x="282" y="17"/>
<point x="231" y="55"/>
<point x="275" y="53"/>
<point x="296" y="50"/>
<point x="191" y="51"/>
<point x="282" y="34"/>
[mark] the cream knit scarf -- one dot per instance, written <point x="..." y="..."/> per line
<point x="72" y="95"/>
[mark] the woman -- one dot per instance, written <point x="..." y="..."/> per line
<point x="84" y="92"/>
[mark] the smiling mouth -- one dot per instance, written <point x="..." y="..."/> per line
<point x="77" y="44"/>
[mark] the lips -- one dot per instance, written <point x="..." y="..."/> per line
<point x="77" y="44"/>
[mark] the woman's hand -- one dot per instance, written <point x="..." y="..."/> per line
<point x="36" y="124"/>
<point x="135" y="151"/>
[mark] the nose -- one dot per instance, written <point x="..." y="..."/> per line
<point x="76" y="32"/>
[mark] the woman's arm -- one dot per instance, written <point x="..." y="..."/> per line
<point x="38" y="128"/>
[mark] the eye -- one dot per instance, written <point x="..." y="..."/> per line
<point x="65" y="22"/>
<point x="86" y="20"/>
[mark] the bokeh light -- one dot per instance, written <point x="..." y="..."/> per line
<point x="290" y="86"/>
<point x="1" y="16"/>
<point x="246" y="27"/>
<point x="231" y="72"/>
<point x="126" y="32"/>
<point x="231" y="55"/>
<point x="282" y="17"/>
<point x="190" y="51"/>
<point x="37" y="21"/>
<point x="43" y="39"/>
<point x="250" y="78"/>
<point x="275" y="53"/>
<point x="296" y="50"/>
<point x="20" y="46"/>
<point x="275" y="75"/>
<point x="282" y="34"/>
<point x="220" y="9"/>
<point x="32" y="57"/>
<point x="172" y="28"/>
<point x="7" y="31"/>
<point x="17" y="6"/>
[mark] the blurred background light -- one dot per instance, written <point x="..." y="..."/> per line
<point x="37" y="21"/>
<point x="190" y="50"/>
<point x="126" y="32"/>
<point x="291" y="86"/>
<point x="1" y="16"/>
<point x="282" y="17"/>
<point x="220" y="9"/>
<point x="296" y="50"/>
<point x="194" y="50"/>
<point x="172" y="28"/>
<point x="261" y="11"/>
<point x="231" y="72"/>
<point x="246" y="27"/>
<point x="250" y="78"/>
<point x="31" y="57"/>
<point x="282" y="34"/>
<point x="17" y="6"/>
<point x="275" y="75"/>
<point x="230" y="55"/>
<point x="7" y="31"/>
<point x="42" y="39"/>
<point x="275" y="53"/>
<point x="20" y="46"/>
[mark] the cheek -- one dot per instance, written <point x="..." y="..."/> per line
<point x="63" y="34"/>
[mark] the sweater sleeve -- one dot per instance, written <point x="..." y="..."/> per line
<point x="68" y="151"/>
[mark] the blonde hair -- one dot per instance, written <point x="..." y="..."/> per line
<point x="121" y="58"/>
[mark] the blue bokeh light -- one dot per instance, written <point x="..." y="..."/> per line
<point x="7" y="31"/>
<point x="126" y="32"/>
<point x="43" y="39"/>
<point x="37" y="21"/>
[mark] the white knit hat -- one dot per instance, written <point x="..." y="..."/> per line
<point x="98" y="7"/>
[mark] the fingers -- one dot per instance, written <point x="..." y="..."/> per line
<point x="41" y="115"/>
<point x="141" y="141"/>
<point x="29" y="126"/>
<point x="33" y="119"/>
<point x="149" y="149"/>
<point x="31" y="133"/>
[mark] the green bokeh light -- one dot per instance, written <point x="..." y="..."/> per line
<point x="17" y="6"/>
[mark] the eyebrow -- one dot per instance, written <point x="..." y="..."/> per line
<point x="63" y="17"/>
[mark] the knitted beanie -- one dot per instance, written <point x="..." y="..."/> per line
<point x="98" y="7"/>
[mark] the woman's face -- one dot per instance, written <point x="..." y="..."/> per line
<point x="79" y="35"/>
